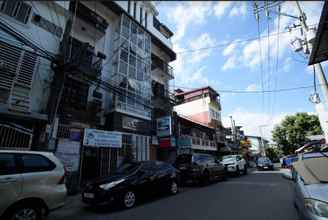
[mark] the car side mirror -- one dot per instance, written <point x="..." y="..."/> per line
<point x="287" y="175"/>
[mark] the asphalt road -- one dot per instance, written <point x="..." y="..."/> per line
<point x="257" y="196"/>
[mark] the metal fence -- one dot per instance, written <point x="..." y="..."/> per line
<point x="15" y="137"/>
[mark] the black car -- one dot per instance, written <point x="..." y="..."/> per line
<point x="264" y="163"/>
<point x="199" y="167"/>
<point x="131" y="182"/>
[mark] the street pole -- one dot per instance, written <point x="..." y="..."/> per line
<point x="318" y="72"/>
<point x="232" y="130"/>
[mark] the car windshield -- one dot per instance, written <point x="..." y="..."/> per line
<point x="264" y="160"/>
<point x="127" y="168"/>
<point x="228" y="157"/>
<point x="181" y="159"/>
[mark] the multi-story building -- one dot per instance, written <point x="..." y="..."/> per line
<point x="116" y="77"/>
<point x="202" y="105"/>
<point x="258" y="145"/>
<point x="30" y="34"/>
<point x="194" y="136"/>
<point x="121" y="80"/>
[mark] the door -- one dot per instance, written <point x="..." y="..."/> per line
<point x="10" y="181"/>
<point x="40" y="178"/>
<point x="147" y="178"/>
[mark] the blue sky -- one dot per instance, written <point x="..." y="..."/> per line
<point x="236" y="64"/>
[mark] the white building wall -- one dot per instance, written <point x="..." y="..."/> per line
<point x="56" y="13"/>
<point x="151" y="13"/>
<point x="193" y="107"/>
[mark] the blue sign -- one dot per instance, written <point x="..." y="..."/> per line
<point x="164" y="128"/>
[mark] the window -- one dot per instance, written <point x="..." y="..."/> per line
<point x="7" y="164"/>
<point x="135" y="10"/>
<point x="36" y="163"/>
<point x="141" y="15"/>
<point x="16" y="9"/>
<point x="129" y="5"/>
<point x="146" y="18"/>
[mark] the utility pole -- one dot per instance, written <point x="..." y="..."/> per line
<point x="60" y="67"/>
<point x="307" y="41"/>
<point x="318" y="68"/>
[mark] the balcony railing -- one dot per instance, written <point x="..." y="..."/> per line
<point x="89" y="16"/>
<point x="201" y="144"/>
<point x="158" y="63"/>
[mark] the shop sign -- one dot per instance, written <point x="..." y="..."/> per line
<point x="164" y="142"/>
<point x="164" y="127"/>
<point x="131" y="123"/>
<point x="101" y="138"/>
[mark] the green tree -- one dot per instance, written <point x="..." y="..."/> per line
<point x="291" y="133"/>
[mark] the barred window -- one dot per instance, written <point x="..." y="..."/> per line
<point x="16" y="9"/>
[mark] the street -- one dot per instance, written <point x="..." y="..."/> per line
<point x="257" y="196"/>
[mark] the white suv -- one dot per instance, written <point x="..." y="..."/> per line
<point x="235" y="164"/>
<point x="31" y="184"/>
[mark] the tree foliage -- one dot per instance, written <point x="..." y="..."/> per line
<point x="291" y="133"/>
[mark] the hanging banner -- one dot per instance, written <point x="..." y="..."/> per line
<point x="101" y="138"/>
<point x="68" y="153"/>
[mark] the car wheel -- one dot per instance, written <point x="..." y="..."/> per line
<point x="205" y="178"/>
<point x="25" y="212"/>
<point x="237" y="171"/>
<point x="174" y="188"/>
<point x="129" y="199"/>
<point x="245" y="170"/>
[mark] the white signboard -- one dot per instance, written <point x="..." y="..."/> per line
<point x="100" y="138"/>
<point x="68" y="153"/>
<point x="164" y="126"/>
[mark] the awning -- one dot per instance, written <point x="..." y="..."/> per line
<point x="320" y="46"/>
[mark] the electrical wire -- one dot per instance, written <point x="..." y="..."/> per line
<point x="277" y="64"/>
<point x="235" y="41"/>
<point x="257" y="91"/>
<point x="261" y="61"/>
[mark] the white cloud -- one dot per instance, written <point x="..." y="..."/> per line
<point x="251" y="87"/>
<point x="240" y="9"/>
<point x="221" y="7"/>
<point x="204" y="40"/>
<point x="230" y="63"/>
<point x="189" y="14"/>
<point x="251" y="122"/>
<point x="250" y="52"/>
<point x="229" y="49"/>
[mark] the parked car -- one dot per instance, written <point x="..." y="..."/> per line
<point x="235" y="164"/>
<point x="31" y="184"/>
<point x="199" y="167"/>
<point x="132" y="181"/>
<point x="264" y="163"/>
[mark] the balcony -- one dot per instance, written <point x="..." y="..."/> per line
<point x="158" y="63"/>
<point x="84" y="60"/>
<point x="200" y="143"/>
<point x="89" y="16"/>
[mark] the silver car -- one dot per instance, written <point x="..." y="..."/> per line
<point x="31" y="184"/>
<point x="311" y="200"/>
